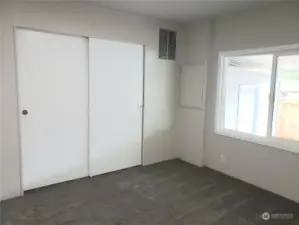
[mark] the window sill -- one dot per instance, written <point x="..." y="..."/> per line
<point x="284" y="145"/>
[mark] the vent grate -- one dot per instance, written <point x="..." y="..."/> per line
<point x="167" y="44"/>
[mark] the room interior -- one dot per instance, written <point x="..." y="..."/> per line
<point x="154" y="141"/>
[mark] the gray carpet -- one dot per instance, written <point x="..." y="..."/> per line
<point x="168" y="193"/>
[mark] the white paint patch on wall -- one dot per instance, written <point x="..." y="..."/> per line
<point x="192" y="82"/>
<point x="190" y="134"/>
<point x="159" y="120"/>
<point x="190" y="122"/>
<point x="85" y="20"/>
<point x="191" y="114"/>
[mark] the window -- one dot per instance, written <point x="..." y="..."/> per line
<point x="286" y="108"/>
<point x="258" y="97"/>
<point x="167" y="44"/>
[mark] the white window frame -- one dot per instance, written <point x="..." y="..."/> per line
<point x="269" y="140"/>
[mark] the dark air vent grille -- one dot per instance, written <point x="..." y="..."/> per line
<point x="167" y="44"/>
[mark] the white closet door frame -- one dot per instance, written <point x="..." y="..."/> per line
<point x="20" y="158"/>
<point x="143" y="105"/>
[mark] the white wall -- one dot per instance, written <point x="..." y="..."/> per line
<point x="89" y="20"/>
<point x="190" y="122"/>
<point x="1" y="143"/>
<point x="266" y="167"/>
<point x="4" y="18"/>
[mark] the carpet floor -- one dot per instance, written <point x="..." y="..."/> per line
<point x="167" y="193"/>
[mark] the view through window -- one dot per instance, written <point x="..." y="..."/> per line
<point x="286" y="112"/>
<point x="260" y="95"/>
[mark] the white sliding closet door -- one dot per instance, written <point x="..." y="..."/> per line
<point x="53" y="107"/>
<point x="116" y="95"/>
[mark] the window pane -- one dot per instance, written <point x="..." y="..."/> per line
<point x="286" y="114"/>
<point x="247" y="88"/>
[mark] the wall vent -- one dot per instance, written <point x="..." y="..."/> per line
<point x="167" y="44"/>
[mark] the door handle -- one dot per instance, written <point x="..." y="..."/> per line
<point x="140" y="106"/>
<point x="24" y="112"/>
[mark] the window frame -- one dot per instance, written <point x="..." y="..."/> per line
<point x="269" y="140"/>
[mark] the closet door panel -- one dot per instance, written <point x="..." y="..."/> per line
<point x="53" y="107"/>
<point x="116" y="95"/>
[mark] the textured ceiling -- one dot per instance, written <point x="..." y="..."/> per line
<point x="177" y="10"/>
